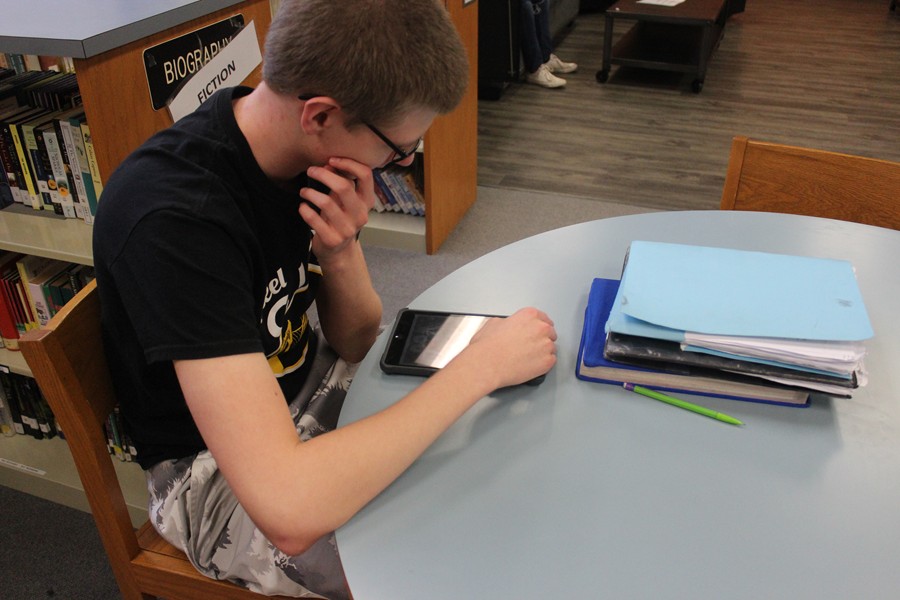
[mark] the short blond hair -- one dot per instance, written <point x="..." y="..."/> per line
<point x="377" y="58"/>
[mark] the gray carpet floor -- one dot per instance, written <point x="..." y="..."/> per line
<point x="50" y="551"/>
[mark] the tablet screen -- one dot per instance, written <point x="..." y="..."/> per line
<point x="434" y="339"/>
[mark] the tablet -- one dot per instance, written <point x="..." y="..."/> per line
<point x="423" y="341"/>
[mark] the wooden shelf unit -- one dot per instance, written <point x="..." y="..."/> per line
<point x="450" y="161"/>
<point x="451" y="145"/>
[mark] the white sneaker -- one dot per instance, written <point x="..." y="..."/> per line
<point x="558" y="66"/>
<point x="544" y="78"/>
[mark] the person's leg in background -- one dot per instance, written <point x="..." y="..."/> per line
<point x="535" y="43"/>
<point x="537" y="46"/>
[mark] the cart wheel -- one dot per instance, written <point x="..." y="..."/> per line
<point x="602" y="76"/>
<point x="697" y="85"/>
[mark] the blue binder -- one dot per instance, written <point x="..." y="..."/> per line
<point x="668" y="289"/>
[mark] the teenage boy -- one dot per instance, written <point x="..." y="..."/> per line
<point x="212" y="241"/>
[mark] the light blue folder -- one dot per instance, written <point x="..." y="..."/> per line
<point x="668" y="289"/>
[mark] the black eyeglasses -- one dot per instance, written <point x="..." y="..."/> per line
<point x="399" y="153"/>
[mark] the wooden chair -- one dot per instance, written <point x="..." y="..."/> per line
<point x="66" y="358"/>
<point x="787" y="179"/>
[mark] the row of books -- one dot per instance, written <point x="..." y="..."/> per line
<point x="117" y="439"/>
<point x="21" y="63"/>
<point x="23" y="408"/>
<point x="46" y="149"/>
<point x="32" y="290"/>
<point x="714" y="321"/>
<point x="24" y="411"/>
<point x="398" y="189"/>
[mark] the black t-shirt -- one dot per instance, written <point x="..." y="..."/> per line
<point x="198" y="255"/>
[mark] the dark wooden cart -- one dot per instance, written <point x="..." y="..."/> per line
<point x="678" y="38"/>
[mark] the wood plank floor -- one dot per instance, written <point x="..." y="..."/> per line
<point x="816" y="73"/>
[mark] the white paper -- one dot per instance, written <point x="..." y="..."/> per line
<point x="661" y="2"/>
<point x="829" y="357"/>
<point x="228" y="68"/>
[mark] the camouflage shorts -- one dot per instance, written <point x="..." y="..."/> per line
<point x="193" y="508"/>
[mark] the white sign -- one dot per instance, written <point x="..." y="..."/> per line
<point x="228" y="68"/>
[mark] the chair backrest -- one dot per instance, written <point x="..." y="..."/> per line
<point x="67" y="359"/>
<point x="772" y="177"/>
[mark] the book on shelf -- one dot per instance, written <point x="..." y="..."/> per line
<point x="40" y="163"/>
<point x="21" y="131"/>
<point x="117" y="439"/>
<point x="14" y="289"/>
<point x="36" y="153"/>
<point x="86" y="180"/>
<point x="43" y="155"/>
<point x="11" y="401"/>
<point x="592" y="364"/>
<point x="381" y="202"/>
<point x="67" y="150"/>
<point x="9" y="332"/>
<point x="7" y="421"/>
<point x="40" y="294"/>
<point x="30" y="267"/>
<point x="6" y="195"/>
<point x="20" y="164"/>
<point x="14" y="292"/>
<point x="11" y="167"/>
<point x="416" y="190"/>
<point x="93" y="166"/>
<point x="395" y="190"/>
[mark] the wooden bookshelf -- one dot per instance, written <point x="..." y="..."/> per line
<point x="451" y="145"/>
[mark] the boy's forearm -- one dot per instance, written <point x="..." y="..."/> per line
<point x="349" y="308"/>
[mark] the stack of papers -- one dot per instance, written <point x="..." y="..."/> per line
<point x="726" y="309"/>
<point x="594" y="366"/>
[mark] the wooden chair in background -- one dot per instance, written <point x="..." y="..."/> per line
<point x="771" y="177"/>
<point x="67" y="360"/>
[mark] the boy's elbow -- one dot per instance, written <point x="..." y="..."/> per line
<point x="291" y="534"/>
<point x="295" y="543"/>
<point x="357" y="347"/>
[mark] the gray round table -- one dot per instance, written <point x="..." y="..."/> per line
<point x="574" y="489"/>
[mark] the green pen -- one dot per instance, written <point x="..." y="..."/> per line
<point x="708" y="412"/>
